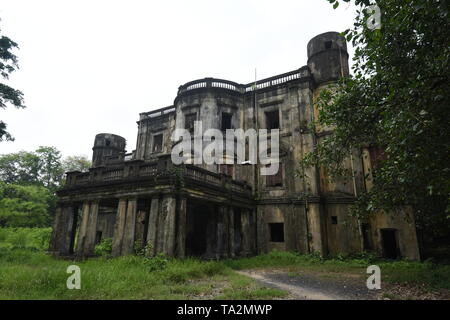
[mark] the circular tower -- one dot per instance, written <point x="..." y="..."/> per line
<point x="328" y="57"/>
<point x="105" y="145"/>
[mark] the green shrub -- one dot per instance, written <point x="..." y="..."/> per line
<point x="104" y="248"/>
<point x="141" y="250"/>
<point x="157" y="263"/>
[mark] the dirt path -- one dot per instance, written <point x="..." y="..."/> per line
<point x="307" y="286"/>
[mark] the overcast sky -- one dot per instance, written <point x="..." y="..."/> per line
<point x="88" y="67"/>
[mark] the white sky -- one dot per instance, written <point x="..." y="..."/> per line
<point x="88" y="67"/>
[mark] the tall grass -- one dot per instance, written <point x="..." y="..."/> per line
<point x="34" y="275"/>
<point x="30" y="238"/>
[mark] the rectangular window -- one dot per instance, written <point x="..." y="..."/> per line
<point x="334" y="220"/>
<point x="276" y="232"/>
<point x="226" y="121"/>
<point x="189" y="120"/>
<point x="272" y="120"/>
<point x="157" y="143"/>
<point x="275" y="180"/>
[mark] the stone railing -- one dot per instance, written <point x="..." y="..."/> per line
<point x="211" y="83"/>
<point x="138" y="169"/>
<point x="243" y="88"/>
<point x="276" y="80"/>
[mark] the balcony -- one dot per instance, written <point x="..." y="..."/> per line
<point x="158" y="172"/>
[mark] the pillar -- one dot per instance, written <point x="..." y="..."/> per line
<point x="63" y="229"/>
<point x="231" y="249"/>
<point x="315" y="228"/>
<point x="181" y="223"/>
<point x="246" y="232"/>
<point x="119" y="228"/>
<point x="129" y="228"/>
<point x="124" y="229"/>
<point x="166" y="226"/>
<point x="152" y="224"/>
<point x="83" y="228"/>
<point x="91" y="229"/>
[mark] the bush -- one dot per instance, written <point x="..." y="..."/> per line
<point x="157" y="263"/>
<point x="104" y="248"/>
<point x="29" y="238"/>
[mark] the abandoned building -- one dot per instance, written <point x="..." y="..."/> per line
<point x="217" y="211"/>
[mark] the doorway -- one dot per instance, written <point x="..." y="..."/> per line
<point x="389" y="242"/>
<point x="196" y="229"/>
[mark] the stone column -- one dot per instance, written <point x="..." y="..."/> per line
<point x="231" y="249"/>
<point x="119" y="227"/>
<point x="129" y="228"/>
<point x="152" y="224"/>
<point x="181" y="222"/>
<point x="315" y="228"/>
<point x="66" y="229"/>
<point x="246" y="236"/>
<point x="262" y="230"/>
<point x="83" y="228"/>
<point x="91" y="229"/>
<point x="63" y="229"/>
<point x="53" y="245"/>
<point x="168" y="211"/>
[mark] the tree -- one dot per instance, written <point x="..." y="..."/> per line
<point x="24" y="206"/>
<point x="42" y="167"/>
<point x="20" y="168"/>
<point x="50" y="167"/>
<point x="76" y="163"/>
<point x="396" y="99"/>
<point x="8" y="95"/>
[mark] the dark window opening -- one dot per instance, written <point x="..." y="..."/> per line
<point x="98" y="237"/>
<point x="334" y="220"/>
<point x="275" y="180"/>
<point x="365" y="230"/>
<point x="226" y="121"/>
<point x="276" y="232"/>
<point x="157" y="143"/>
<point x="376" y="154"/>
<point x="189" y="120"/>
<point x="389" y="240"/>
<point x="107" y="142"/>
<point x="273" y="120"/>
<point x="226" y="169"/>
<point x="328" y="44"/>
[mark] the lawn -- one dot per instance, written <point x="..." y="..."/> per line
<point x="27" y="272"/>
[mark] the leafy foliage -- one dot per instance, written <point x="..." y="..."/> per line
<point x="25" y="238"/>
<point x="104" y="248"/>
<point x="24" y="206"/>
<point x="396" y="99"/>
<point x="76" y="163"/>
<point x="8" y="95"/>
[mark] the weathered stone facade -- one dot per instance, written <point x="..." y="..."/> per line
<point x="217" y="211"/>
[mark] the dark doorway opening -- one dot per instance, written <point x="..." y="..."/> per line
<point x="196" y="229"/>
<point x="365" y="230"/>
<point x="276" y="232"/>
<point x="389" y="241"/>
<point x="73" y="232"/>
<point x="237" y="231"/>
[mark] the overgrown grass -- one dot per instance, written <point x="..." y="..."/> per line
<point x="27" y="274"/>
<point x="431" y="275"/>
